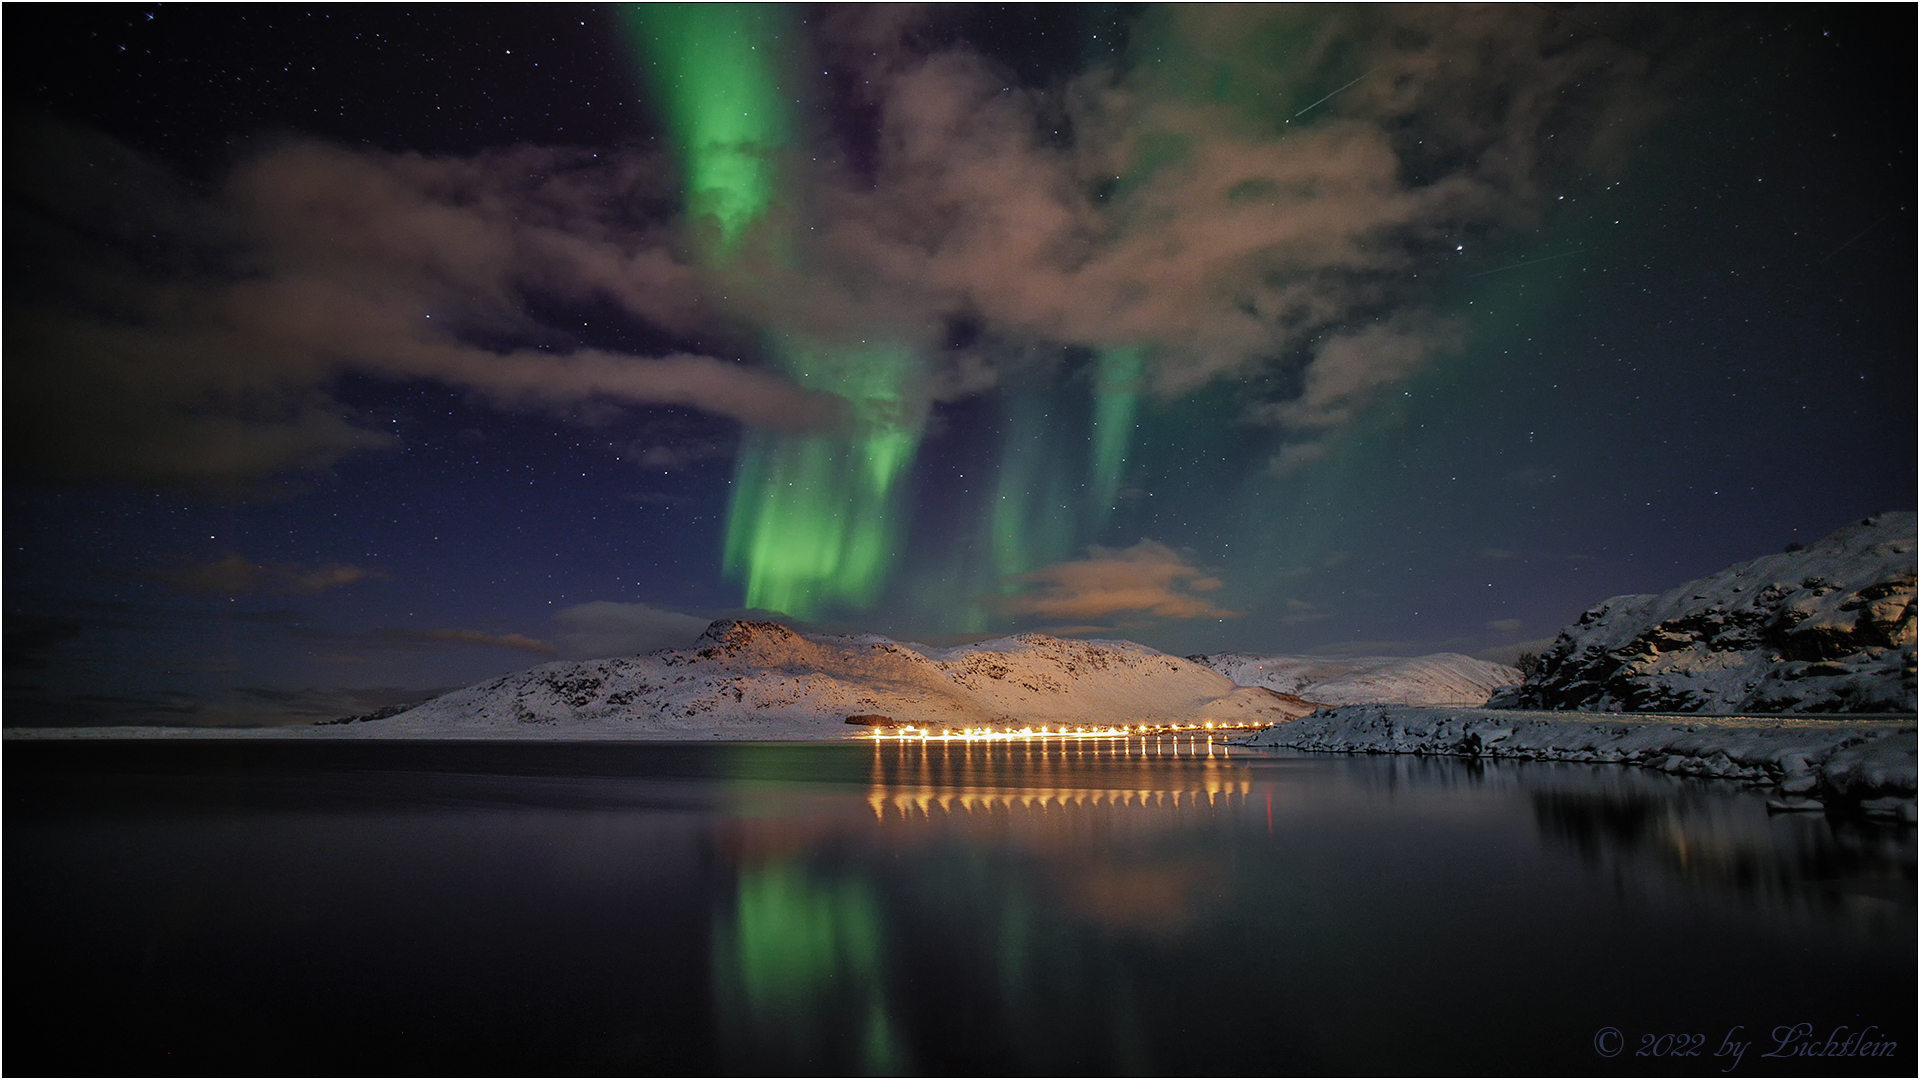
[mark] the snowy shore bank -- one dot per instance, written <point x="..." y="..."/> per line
<point x="1809" y="762"/>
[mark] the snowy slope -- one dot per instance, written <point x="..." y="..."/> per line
<point x="1440" y="679"/>
<point x="750" y="680"/>
<point x="1808" y="761"/>
<point x="1828" y="628"/>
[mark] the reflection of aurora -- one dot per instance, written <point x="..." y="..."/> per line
<point x="1069" y="907"/>
<point x="799" y="972"/>
<point x="812" y="960"/>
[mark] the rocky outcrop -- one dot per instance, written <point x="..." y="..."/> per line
<point x="1809" y="763"/>
<point x="1440" y="679"/>
<point x="1827" y="628"/>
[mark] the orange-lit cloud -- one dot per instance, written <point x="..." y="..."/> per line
<point x="1231" y="238"/>
<point x="234" y="574"/>
<point x="518" y="642"/>
<point x="1148" y="579"/>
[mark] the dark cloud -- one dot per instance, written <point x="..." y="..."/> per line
<point x="29" y="636"/>
<point x="195" y="335"/>
<point x="242" y="706"/>
<point x="404" y="638"/>
<point x="234" y="574"/>
<point x="1281" y="222"/>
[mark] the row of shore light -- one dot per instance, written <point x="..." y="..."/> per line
<point x="1062" y="732"/>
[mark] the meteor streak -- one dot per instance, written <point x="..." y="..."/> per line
<point x="1528" y="262"/>
<point x="1324" y="100"/>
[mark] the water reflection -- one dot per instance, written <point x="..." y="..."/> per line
<point x="1659" y="835"/>
<point x="971" y="779"/>
<point x="1046" y="907"/>
<point x="1042" y="906"/>
<point x="1000" y="856"/>
<point x="799" y="971"/>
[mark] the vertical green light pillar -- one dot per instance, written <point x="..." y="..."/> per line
<point x="1116" y="401"/>
<point x="713" y="69"/>
<point x="814" y="520"/>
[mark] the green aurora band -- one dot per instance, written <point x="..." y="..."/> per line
<point x="1073" y="446"/>
<point x="816" y="522"/>
<point x="711" y="66"/>
<point x="1116" y="401"/>
<point x="815" y="519"/>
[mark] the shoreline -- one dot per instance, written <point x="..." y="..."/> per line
<point x="1809" y="762"/>
<point x="1806" y="763"/>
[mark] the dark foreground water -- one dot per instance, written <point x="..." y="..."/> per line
<point x="493" y="908"/>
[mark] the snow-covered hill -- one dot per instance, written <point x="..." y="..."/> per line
<point x="1826" y="628"/>
<point x="1440" y="679"/>
<point x="760" y="680"/>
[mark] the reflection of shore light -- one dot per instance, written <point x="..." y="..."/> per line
<point x="920" y="777"/>
<point x="1117" y="731"/>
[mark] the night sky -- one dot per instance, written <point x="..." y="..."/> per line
<point x="353" y="352"/>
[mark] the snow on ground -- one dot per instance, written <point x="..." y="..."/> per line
<point x="760" y="680"/>
<point x="1440" y="679"/>
<point x="1827" y="628"/>
<point x="1809" y="761"/>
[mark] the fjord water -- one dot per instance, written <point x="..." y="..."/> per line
<point x="1090" y="907"/>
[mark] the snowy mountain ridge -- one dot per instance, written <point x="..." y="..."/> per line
<point x="1826" y="628"/>
<point x="746" y="679"/>
<point x="1440" y="679"/>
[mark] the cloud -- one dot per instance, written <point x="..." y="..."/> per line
<point x="234" y="574"/>
<point x="606" y="628"/>
<point x="1269" y="196"/>
<point x="1075" y="630"/>
<point x="1350" y="366"/>
<point x="1509" y="653"/>
<point x="240" y="706"/>
<point x="1293" y="457"/>
<point x="1300" y="611"/>
<point x="188" y="337"/>
<point x="1147" y="579"/>
<point x="1261" y="229"/>
<point x="1505" y="626"/>
<point x="672" y="443"/>
<point x="483" y="639"/>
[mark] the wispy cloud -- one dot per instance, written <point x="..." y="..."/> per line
<point x="481" y="638"/>
<point x="209" y="361"/>
<point x="607" y="628"/>
<point x="1284" y="231"/>
<point x="1148" y="580"/>
<point x="234" y="574"/>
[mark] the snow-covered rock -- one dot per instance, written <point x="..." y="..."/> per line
<point x="1830" y="759"/>
<point x="1440" y="679"/>
<point x="759" y="680"/>
<point x="1824" y="629"/>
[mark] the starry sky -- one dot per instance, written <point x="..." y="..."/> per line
<point x="353" y="352"/>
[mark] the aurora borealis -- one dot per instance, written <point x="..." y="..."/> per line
<point x="354" y="354"/>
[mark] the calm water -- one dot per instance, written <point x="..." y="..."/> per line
<point x="1008" y="909"/>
